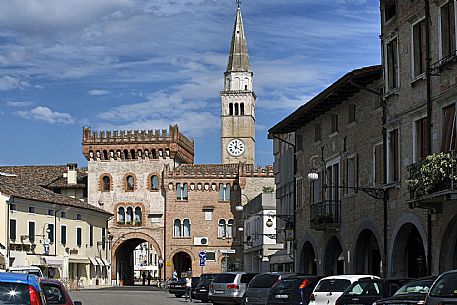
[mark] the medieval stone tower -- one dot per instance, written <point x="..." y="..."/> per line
<point x="238" y="102"/>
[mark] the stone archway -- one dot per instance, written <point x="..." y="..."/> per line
<point x="182" y="263"/>
<point x="308" y="263"/>
<point x="367" y="255"/>
<point x="122" y="260"/>
<point x="448" y="250"/>
<point x="408" y="257"/>
<point x="333" y="257"/>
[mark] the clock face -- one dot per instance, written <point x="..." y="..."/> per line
<point x="235" y="147"/>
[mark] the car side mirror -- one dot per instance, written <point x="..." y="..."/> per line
<point x="78" y="303"/>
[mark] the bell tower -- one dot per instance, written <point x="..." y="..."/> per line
<point x="238" y="101"/>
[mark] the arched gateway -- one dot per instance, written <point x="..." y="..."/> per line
<point x="122" y="269"/>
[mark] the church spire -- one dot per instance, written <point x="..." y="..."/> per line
<point x="238" y="57"/>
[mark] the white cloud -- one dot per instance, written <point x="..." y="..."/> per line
<point x="45" y="114"/>
<point x="9" y="83"/>
<point x="18" y="104"/>
<point x="98" y="92"/>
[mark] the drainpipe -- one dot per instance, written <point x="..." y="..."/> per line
<point x="8" y="210"/>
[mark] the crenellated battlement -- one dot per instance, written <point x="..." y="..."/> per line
<point x="137" y="144"/>
<point x="219" y="171"/>
<point x="249" y="170"/>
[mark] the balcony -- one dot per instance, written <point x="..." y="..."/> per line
<point x="325" y="215"/>
<point x="433" y="181"/>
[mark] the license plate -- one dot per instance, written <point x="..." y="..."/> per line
<point x="202" y="290"/>
<point x="281" y="296"/>
<point x="219" y="291"/>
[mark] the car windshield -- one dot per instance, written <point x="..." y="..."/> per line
<point x="13" y="293"/>
<point x="445" y="286"/>
<point x="289" y="283"/>
<point x="263" y="281"/>
<point x="53" y="294"/>
<point x="364" y="288"/>
<point x="224" y="278"/>
<point x="334" y="285"/>
<point x="207" y="276"/>
<point x="415" y="287"/>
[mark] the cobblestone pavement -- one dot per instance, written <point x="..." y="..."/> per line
<point x="127" y="296"/>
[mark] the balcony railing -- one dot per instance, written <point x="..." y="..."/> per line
<point x="433" y="175"/>
<point x="325" y="214"/>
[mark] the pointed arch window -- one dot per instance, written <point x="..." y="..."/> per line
<point x="153" y="154"/>
<point x="177" y="228"/>
<point x="138" y="216"/>
<point x="154" y="183"/>
<point x="106" y="183"/>
<point x="231" y="109"/>
<point x="231" y="232"/>
<point x="236" y="109"/>
<point x="242" y="109"/>
<point x="121" y="215"/>
<point x="222" y="233"/>
<point x="129" y="183"/>
<point x="126" y="154"/>
<point x="105" y="155"/>
<point x="224" y="192"/>
<point x="186" y="228"/>
<point x="181" y="191"/>
<point x="129" y="215"/>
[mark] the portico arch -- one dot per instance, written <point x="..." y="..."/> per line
<point x="122" y="263"/>
<point x="407" y="252"/>
<point x="448" y="248"/>
<point x="308" y="264"/>
<point x="333" y="257"/>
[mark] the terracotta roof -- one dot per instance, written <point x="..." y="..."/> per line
<point x="33" y="183"/>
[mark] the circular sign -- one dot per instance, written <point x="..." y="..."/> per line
<point x="202" y="255"/>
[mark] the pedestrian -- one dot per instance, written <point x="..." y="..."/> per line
<point x="143" y="275"/>
<point x="175" y="275"/>
<point x="188" y="287"/>
<point x="149" y="278"/>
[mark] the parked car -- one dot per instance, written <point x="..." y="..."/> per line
<point x="330" y="288"/>
<point x="202" y="289"/>
<point x="178" y="288"/>
<point x="27" y="270"/>
<point x="229" y="287"/>
<point x="259" y="286"/>
<point x="444" y="289"/>
<point x="412" y="293"/>
<point x="18" y="288"/>
<point x="367" y="291"/>
<point x="294" y="290"/>
<point x="194" y="283"/>
<point x="56" y="293"/>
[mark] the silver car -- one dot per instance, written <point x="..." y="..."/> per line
<point x="229" y="287"/>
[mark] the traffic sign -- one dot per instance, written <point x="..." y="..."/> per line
<point x="202" y="255"/>
<point x="202" y="262"/>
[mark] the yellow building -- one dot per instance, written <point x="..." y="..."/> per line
<point x="66" y="237"/>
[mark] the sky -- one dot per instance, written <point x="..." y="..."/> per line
<point x="148" y="64"/>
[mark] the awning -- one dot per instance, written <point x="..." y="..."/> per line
<point x="78" y="260"/>
<point x="99" y="261"/>
<point x="52" y="260"/>
<point x="106" y="262"/>
<point x="93" y="261"/>
<point x="281" y="257"/>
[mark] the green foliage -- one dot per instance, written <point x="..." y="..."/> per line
<point x="268" y="189"/>
<point x="431" y="174"/>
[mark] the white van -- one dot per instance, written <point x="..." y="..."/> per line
<point x="332" y="287"/>
<point x="27" y="270"/>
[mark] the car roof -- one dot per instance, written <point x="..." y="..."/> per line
<point x="20" y="278"/>
<point x="353" y="277"/>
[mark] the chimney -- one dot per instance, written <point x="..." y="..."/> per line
<point x="72" y="173"/>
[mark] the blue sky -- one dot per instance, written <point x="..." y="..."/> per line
<point x="142" y="64"/>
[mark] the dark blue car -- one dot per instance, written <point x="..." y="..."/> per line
<point x="294" y="290"/>
<point x="21" y="289"/>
